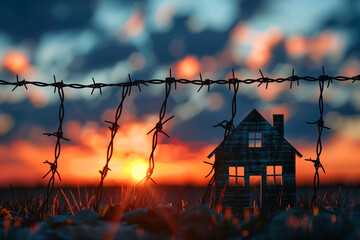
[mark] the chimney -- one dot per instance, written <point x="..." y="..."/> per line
<point x="278" y="123"/>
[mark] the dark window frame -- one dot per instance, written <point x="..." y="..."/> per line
<point x="255" y="139"/>
<point x="237" y="176"/>
<point x="274" y="175"/>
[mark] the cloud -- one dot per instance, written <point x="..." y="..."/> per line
<point x="253" y="47"/>
<point x="161" y="13"/>
<point x="203" y="17"/>
<point x="271" y="109"/>
<point x="200" y="14"/>
<point x="214" y="101"/>
<point x="110" y="16"/>
<point x="347" y="126"/>
<point x="327" y="45"/>
<point x="194" y="104"/>
<point x="57" y="51"/>
<point x="286" y="15"/>
<point x="6" y="123"/>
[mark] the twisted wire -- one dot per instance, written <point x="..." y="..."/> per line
<point x="198" y="82"/>
<point x="320" y="126"/>
<point x="228" y="129"/>
<point x="113" y="130"/>
<point x="59" y="136"/>
<point x="158" y="129"/>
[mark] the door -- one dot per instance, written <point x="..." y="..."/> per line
<point x="255" y="191"/>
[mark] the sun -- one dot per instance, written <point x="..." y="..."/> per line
<point x="138" y="171"/>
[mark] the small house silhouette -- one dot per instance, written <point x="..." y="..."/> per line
<point x="255" y="165"/>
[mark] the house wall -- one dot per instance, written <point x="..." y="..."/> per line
<point x="274" y="151"/>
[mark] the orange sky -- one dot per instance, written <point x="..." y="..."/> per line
<point x="176" y="162"/>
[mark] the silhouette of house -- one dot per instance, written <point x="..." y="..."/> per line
<point x="255" y="165"/>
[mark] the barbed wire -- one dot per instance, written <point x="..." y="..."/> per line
<point x="228" y="128"/>
<point x="198" y="82"/>
<point x="113" y="128"/>
<point x="59" y="136"/>
<point x="320" y="126"/>
<point x="227" y="125"/>
<point x="158" y="129"/>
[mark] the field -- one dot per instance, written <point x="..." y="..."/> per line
<point x="173" y="212"/>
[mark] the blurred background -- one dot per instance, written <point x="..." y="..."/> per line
<point x="108" y="40"/>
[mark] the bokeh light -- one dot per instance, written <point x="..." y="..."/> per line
<point x="188" y="67"/>
<point x="16" y="62"/>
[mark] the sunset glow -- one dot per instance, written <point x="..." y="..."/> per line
<point x="176" y="162"/>
<point x="138" y="171"/>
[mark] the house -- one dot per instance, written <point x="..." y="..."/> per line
<point x="255" y="165"/>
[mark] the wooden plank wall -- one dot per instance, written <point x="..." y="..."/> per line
<point x="274" y="151"/>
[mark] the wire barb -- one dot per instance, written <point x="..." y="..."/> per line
<point x="57" y="134"/>
<point x="170" y="79"/>
<point x="159" y="125"/>
<point x="325" y="77"/>
<point x="114" y="126"/>
<point x="293" y="78"/>
<point x="356" y="78"/>
<point x="206" y="82"/>
<point x="263" y="80"/>
<point x="317" y="163"/>
<point x="233" y="80"/>
<point x="227" y="125"/>
<point x="57" y="85"/>
<point x="19" y="83"/>
<point x="95" y="85"/>
<point x="319" y="123"/>
<point x="53" y="169"/>
<point x="104" y="171"/>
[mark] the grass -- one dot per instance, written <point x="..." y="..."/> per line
<point x="69" y="202"/>
<point x="329" y="199"/>
<point x="203" y="223"/>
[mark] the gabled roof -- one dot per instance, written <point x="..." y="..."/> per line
<point x="255" y="116"/>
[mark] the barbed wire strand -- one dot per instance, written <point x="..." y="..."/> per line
<point x="158" y="129"/>
<point x="198" y="82"/>
<point x="113" y="130"/>
<point x="320" y="126"/>
<point x="227" y="125"/>
<point x="59" y="136"/>
<point x="228" y="129"/>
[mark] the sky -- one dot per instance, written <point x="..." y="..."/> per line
<point x="108" y="40"/>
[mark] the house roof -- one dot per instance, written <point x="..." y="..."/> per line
<point x="255" y="116"/>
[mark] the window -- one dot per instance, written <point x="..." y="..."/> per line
<point x="236" y="176"/>
<point x="255" y="139"/>
<point x="274" y="175"/>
